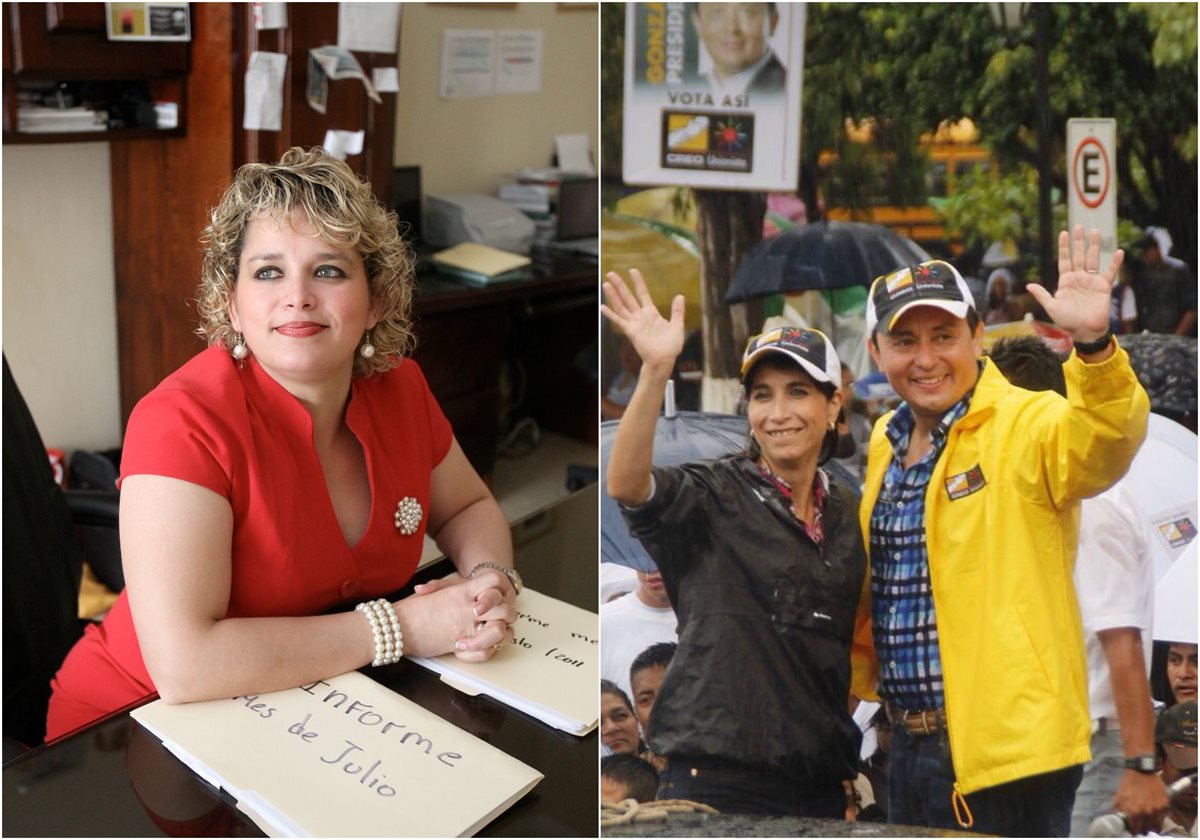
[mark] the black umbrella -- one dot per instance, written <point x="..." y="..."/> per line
<point x="821" y="255"/>
<point x="1166" y="367"/>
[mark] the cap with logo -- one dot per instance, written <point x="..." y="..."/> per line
<point x="932" y="283"/>
<point x="806" y="347"/>
<point x="1177" y="724"/>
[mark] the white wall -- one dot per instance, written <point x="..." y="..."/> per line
<point x="59" y="312"/>
<point x="473" y="144"/>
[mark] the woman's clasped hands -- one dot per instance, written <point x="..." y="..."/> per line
<point x="471" y="616"/>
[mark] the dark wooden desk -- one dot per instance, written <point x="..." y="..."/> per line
<point x="540" y="325"/>
<point x="115" y="779"/>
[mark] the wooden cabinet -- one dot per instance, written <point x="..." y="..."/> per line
<point x="68" y="42"/>
<point x="540" y="327"/>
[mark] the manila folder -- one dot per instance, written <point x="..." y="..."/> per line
<point x="547" y="671"/>
<point x="342" y="757"/>
<point x="479" y="259"/>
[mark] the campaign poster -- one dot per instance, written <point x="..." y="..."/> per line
<point x="712" y="94"/>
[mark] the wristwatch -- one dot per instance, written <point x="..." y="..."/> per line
<point x="1143" y="763"/>
<point x="514" y="577"/>
<point x="1086" y="348"/>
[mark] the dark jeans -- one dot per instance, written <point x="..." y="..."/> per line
<point x="920" y="784"/>
<point x="734" y="788"/>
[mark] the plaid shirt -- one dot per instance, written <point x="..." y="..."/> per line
<point x="902" y="614"/>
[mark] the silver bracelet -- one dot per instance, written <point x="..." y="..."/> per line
<point x="514" y="577"/>
<point x="385" y="628"/>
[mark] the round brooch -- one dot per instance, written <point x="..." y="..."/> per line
<point x="408" y="515"/>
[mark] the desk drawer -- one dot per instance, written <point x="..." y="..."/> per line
<point x="461" y="353"/>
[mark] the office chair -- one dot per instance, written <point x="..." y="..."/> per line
<point x="93" y="500"/>
<point x="42" y="567"/>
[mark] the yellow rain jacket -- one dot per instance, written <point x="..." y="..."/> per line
<point x="1001" y="553"/>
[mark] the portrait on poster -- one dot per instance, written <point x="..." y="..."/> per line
<point x="712" y="94"/>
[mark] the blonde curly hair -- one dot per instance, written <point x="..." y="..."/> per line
<point x="326" y="193"/>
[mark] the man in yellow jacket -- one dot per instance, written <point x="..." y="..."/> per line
<point x="970" y="514"/>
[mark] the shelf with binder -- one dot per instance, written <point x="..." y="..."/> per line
<point x="58" y="56"/>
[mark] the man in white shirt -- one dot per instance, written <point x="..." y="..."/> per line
<point x="631" y="623"/>
<point x="1114" y="579"/>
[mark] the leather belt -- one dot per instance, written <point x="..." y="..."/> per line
<point x="1107" y="724"/>
<point x="923" y="722"/>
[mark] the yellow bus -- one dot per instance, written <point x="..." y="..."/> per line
<point x="948" y="162"/>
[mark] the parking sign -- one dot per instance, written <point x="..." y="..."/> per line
<point x="1092" y="177"/>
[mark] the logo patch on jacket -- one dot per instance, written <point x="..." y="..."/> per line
<point x="964" y="484"/>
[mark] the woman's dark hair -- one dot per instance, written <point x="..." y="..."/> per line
<point x="610" y="687"/>
<point x="778" y="361"/>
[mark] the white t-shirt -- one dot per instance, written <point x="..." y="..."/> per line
<point x="1114" y="579"/>
<point x="615" y="581"/>
<point x="628" y="627"/>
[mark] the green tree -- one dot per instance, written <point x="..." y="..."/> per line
<point x="612" y="88"/>
<point x="906" y="67"/>
<point x="1133" y="62"/>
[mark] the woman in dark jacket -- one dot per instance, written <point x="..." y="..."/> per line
<point x="763" y="561"/>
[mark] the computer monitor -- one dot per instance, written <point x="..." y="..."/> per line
<point x="578" y="208"/>
<point x="406" y="201"/>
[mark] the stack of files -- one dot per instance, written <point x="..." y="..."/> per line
<point x="343" y="757"/>
<point x="534" y="199"/>
<point x="34" y="119"/>
<point x="549" y="175"/>
<point x="481" y="265"/>
<point x="548" y="671"/>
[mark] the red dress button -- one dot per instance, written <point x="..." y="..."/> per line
<point x="349" y="588"/>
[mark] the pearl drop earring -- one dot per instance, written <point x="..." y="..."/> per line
<point x="240" y="351"/>
<point x="368" y="349"/>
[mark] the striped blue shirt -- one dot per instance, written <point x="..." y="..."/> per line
<point x="902" y="614"/>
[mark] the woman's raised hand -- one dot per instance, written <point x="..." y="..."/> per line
<point x="658" y="341"/>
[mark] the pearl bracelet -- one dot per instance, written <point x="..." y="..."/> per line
<point x="385" y="628"/>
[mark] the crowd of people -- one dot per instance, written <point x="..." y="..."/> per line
<point x="995" y="649"/>
<point x="1154" y="292"/>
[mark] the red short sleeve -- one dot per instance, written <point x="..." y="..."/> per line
<point x="172" y="433"/>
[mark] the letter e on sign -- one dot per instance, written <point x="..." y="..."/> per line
<point x="1090" y="172"/>
<point x="1091" y="167"/>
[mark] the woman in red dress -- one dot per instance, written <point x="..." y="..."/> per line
<point x="290" y="471"/>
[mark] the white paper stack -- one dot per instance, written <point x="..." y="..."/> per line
<point x="34" y="119"/>
<point x="534" y="199"/>
<point x="549" y="671"/>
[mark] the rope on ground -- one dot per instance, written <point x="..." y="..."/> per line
<point x="630" y="810"/>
